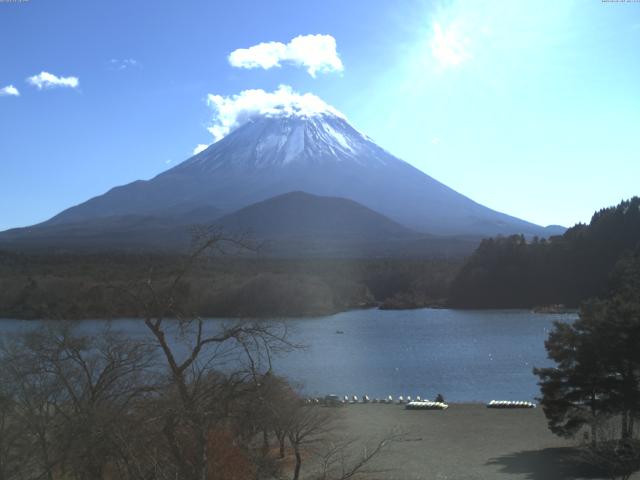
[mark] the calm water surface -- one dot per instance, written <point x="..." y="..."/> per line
<point x="465" y="355"/>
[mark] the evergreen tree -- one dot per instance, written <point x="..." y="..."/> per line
<point x="597" y="373"/>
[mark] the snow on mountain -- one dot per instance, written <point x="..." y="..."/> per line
<point x="268" y="141"/>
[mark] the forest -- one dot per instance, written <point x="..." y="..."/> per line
<point x="515" y="272"/>
<point x="73" y="286"/>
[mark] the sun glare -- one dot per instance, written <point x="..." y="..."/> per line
<point x="448" y="45"/>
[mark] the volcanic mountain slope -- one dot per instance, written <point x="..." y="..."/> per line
<point x="133" y="232"/>
<point x="295" y="224"/>
<point x="299" y="224"/>
<point x="321" y="154"/>
<point x="301" y="215"/>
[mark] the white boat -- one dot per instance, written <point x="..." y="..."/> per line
<point x="426" y="405"/>
<point x="510" y="404"/>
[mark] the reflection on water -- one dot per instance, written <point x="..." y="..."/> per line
<point x="465" y="355"/>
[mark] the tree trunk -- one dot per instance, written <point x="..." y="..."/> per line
<point x="93" y="471"/>
<point x="296" y="472"/>
<point x="169" y="431"/>
<point x="265" y="441"/>
<point x="281" y="439"/>
<point x="625" y="425"/>
<point x="45" y="453"/>
<point x="202" y="447"/>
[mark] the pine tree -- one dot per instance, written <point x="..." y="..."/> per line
<point x="597" y="373"/>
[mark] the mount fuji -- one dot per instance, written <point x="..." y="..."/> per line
<point x="315" y="152"/>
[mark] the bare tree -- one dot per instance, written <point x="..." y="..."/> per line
<point x="313" y="429"/>
<point x="279" y="399"/>
<point x="195" y="352"/>
<point x="71" y="394"/>
<point x="35" y="396"/>
<point x="307" y="424"/>
<point x="11" y="431"/>
<point x="339" y="461"/>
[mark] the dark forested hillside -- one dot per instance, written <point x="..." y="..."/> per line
<point x="90" y="286"/>
<point x="511" y="272"/>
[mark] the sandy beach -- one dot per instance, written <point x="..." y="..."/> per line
<point x="467" y="441"/>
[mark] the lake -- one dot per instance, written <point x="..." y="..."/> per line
<point x="466" y="355"/>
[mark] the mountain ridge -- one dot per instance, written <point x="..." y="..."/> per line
<point x="322" y="155"/>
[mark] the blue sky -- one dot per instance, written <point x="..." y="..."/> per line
<point x="531" y="108"/>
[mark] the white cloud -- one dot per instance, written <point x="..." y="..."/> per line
<point x="200" y="148"/>
<point x="263" y="55"/>
<point x="9" y="91"/>
<point x="315" y="52"/>
<point x="448" y="45"/>
<point x="49" y="80"/>
<point x="123" y="64"/>
<point x="232" y="111"/>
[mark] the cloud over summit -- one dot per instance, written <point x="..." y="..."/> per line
<point x="317" y="53"/>
<point x="232" y="111"/>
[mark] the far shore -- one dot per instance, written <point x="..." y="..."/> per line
<point x="312" y="315"/>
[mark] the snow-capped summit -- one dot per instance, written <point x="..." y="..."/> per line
<point x="233" y="111"/>
<point x="272" y="141"/>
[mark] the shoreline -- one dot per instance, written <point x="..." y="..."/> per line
<point x="301" y="315"/>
